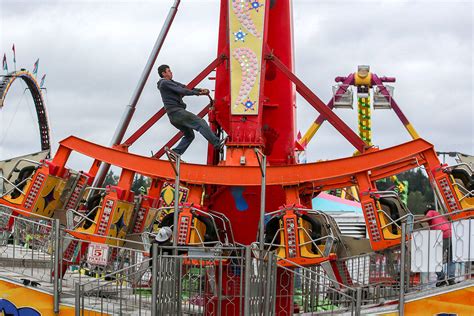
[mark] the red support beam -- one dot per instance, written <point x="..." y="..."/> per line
<point x="319" y="105"/>
<point x="178" y="136"/>
<point x="213" y="65"/>
<point x="158" y="115"/>
<point x="346" y="82"/>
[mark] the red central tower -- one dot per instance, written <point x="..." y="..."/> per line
<point x="268" y="121"/>
<point x="255" y="106"/>
<point x="272" y="127"/>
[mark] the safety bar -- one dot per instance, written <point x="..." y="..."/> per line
<point x="15" y="187"/>
<point x="408" y="214"/>
<point x="84" y="216"/>
<point x="463" y="189"/>
<point x="392" y="221"/>
<point x="446" y="216"/>
<point x="22" y="160"/>
<point x="330" y="242"/>
<point x="330" y="237"/>
<point x="459" y="164"/>
<point x="21" y="211"/>
<point x="212" y="215"/>
<point x="115" y="273"/>
<point x="28" y="220"/>
<point x="320" y="275"/>
<point x="118" y="240"/>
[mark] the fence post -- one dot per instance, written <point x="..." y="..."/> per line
<point x="219" y="276"/>
<point x="262" y="162"/>
<point x="15" y="234"/>
<point x="77" y="307"/>
<point x="178" y="283"/>
<point x="120" y="295"/>
<point x="358" y="301"/>
<point x="61" y="251"/>
<point x="177" y="169"/>
<point x="248" y="266"/>
<point x="401" y="302"/>
<point x="154" y="278"/>
<point x="268" y="284"/>
<point x="56" y="266"/>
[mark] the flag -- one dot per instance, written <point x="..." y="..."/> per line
<point x="14" y="53"/>
<point x="42" y="81"/>
<point x="5" y="66"/>
<point x="35" y="69"/>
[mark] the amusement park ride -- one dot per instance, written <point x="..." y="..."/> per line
<point x="221" y="203"/>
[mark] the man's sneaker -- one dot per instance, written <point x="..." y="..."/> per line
<point x="172" y="155"/>
<point x="441" y="283"/>
<point x="173" y="159"/>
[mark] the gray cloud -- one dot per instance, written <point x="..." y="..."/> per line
<point x="94" y="51"/>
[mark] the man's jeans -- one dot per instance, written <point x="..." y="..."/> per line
<point x="186" y="122"/>
<point x="447" y="257"/>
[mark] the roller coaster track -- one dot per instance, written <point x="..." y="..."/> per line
<point x="35" y="90"/>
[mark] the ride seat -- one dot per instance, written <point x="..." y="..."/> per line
<point x="391" y="207"/>
<point x="111" y="219"/>
<point x="20" y="182"/>
<point x="42" y="192"/>
<point x="299" y="238"/>
<point x="307" y="248"/>
<point x="193" y="228"/>
<point x="16" y="197"/>
<point x="92" y="210"/>
<point x="387" y="231"/>
<point x="465" y="175"/>
<point x="465" y="199"/>
<point x="463" y="183"/>
<point x="198" y="232"/>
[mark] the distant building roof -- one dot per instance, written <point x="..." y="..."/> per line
<point x="330" y="203"/>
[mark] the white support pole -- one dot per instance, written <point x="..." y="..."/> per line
<point x="130" y="108"/>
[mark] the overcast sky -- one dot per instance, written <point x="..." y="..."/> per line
<point x="93" y="53"/>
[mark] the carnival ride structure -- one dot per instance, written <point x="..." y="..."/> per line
<point x="254" y="193"/>
<point x="15" y="173"/>
<point x="35" y="90"/>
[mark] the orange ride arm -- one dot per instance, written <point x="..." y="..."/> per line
<point x="250" y="176"/>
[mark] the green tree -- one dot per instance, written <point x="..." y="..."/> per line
<point x="419" y="182"/>
<point x="420" y="192"/>
<point x="111" y="178"/>
<point x="138" y="182"/>
<point x="416" y="202"/>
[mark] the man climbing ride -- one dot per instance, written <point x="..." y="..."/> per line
<point x="172" y="93"/>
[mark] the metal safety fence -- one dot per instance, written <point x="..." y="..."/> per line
<point x="313" y="292"/>
<point x="217" y="281"/>
<point x="441" y="253"/>
<point x="186" y="281"/>
<point x="377" y="274"/>
<point x="83" y="261"/>
<point x="122" y="292"/>
<point x="38" y="252"/>
<point x="120" y="279"/>
<point x="27" y="245"/>
<point x="436" y="254"/>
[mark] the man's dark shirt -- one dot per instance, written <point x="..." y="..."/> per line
<point x="172" y="93"/>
